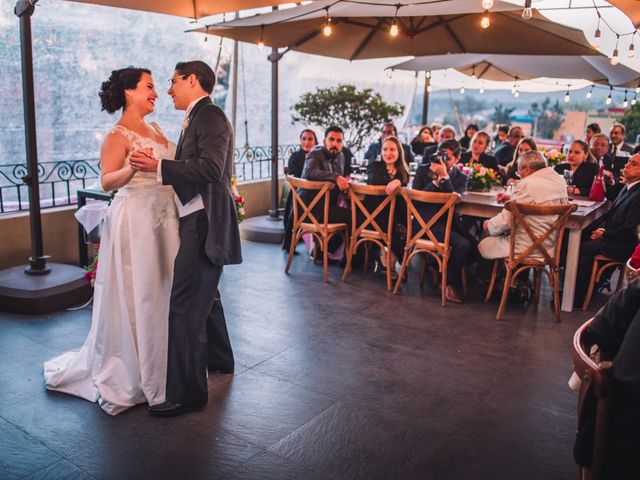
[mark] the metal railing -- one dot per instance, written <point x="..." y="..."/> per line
<point x="59" y="181"/>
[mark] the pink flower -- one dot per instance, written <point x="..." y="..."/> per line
<point x="460" y="166"/>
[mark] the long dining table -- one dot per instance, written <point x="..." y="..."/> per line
<point x="484" y="205"/>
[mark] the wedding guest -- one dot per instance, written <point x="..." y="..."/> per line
<point x="393" y="172"/>
<point x="477" y="152"/>
<point x="295" y="165"/>
<point x="504" y="153"/>
<point x="540" y="185"/>
<point x="591" y="130"/>
<point x="444" y="177"/>
<point x="613" y="235"/>
<point x="608" y="166"/>
<point x="435" y="127"/>
<point x="501" y="135"/>
<point x="618" y="147"/>
<point x="375" y="149"/>
<point x="423" y="140"/>
<point x="326" y="163"/>
<point x="469" y="132"/>
<point x="510" y="172"/>
<point x="583" y="172"/>
<point x="448" y="132"/>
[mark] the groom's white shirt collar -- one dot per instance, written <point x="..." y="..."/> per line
<point x="187" y="112"/>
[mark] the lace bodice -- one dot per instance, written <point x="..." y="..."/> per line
<point x="160" y="151"/>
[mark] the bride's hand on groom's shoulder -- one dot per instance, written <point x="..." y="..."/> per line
<point x="142" y="160"/>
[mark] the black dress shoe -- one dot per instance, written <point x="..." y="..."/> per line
<point x="168" y="409"/>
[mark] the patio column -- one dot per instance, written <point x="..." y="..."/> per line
<point x="274" y="58"/>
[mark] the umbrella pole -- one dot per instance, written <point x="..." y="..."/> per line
<point x="425" y="100"/>
<point x="38" y="261"/>
<point x="274" y="58"/>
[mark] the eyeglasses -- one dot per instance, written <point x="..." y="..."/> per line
<point x="173" y="80"/>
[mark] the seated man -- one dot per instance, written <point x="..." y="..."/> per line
<point x="540" y="185"/>
<point x="613" y="235"/>
<point x="443" y="177"/>
<point x="375" y="149"/>
<point x="448" y="132"/>
<point x="599" y="154"/>
<point x="504" y="152"/>
<point x="326" y="163"/>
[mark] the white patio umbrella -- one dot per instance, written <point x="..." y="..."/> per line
<point x="361" y="29"/>
<point x="496" y="67"/>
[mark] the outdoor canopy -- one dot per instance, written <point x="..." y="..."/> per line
<point x="360" y="30"/>
<point x="186" y="8"/>
<point x="594" y="68"/>
<point x="631" y="9"/>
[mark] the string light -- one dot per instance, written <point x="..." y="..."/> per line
<point x="596" y="37"/>
<point x="527" y="13"/>
<point x="486" y="21"/>
<point x="394" y="30"/>
<point x="516" y="94"/>
<point x="487" y="4"/>
<point x="634" y="100"/>
<point x="614" y="57"/>
<point x="206" y="35"/>
<point x="326" y="30"/>
<point x="261" y="41"/>
<point x="608" y="100"/>
<point x="482" y="89"/>
<point x="590" y="92"/>
<point x="429" y="88"/>
<point x="462" y="90"/>
<point x="632" y="49"/>
<point x="473" y="72"/>
<point x="625" y="103"/>
<point x="567" y="96"/>
<point x="427" y="74"/>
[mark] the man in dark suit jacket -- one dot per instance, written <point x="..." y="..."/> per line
<point x="615" y="234"/>
<point x="618" y="147"/>
<point x="599" y="153"/>
<point x="209" y="239"/>
<point x="504" y="152"/>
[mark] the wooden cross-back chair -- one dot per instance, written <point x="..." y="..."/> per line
<point x="548" y="264"/>
<point x="416" y="243"/>
<point x="601" y="263"/>
<point x="595" y="375"/>
<point x="370" y="230"/>
<point x="304" y="221"/>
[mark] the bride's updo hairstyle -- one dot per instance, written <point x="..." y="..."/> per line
<point x="112" y="94"/>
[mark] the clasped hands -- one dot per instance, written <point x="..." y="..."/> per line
<point x="142" y="160"/>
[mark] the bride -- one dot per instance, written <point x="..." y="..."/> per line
<point x="123" y="361"/>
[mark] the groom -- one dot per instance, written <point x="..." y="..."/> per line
<point x="209" y="238"/>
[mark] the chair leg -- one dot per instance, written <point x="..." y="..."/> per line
<point x="556" y="294"/>
<point x="365" y="267"/>
<point x="592" y="284"/>
<point x="389" y="267"/>
<point x="505" y="292"/>
<point x="403" y="270"/>
<point x="292" y="248"/>
<point x="443" y="286"/>
<point x="325" y="257"/>
<point x="492" y="282"/>
<point x="349" y="253"/>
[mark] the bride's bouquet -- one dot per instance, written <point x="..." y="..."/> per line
<point x="92" y="268"/>
<point x="239" y="199"/>
<point x="480" y="178"/>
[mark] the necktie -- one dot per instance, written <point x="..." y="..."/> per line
<point x="621" y="196"/>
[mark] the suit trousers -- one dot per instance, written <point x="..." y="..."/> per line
<point x="198" y="337"/>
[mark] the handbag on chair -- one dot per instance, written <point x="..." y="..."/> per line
<point x="598" y="187"/>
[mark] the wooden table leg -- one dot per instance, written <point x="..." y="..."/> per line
<point x="571" y="269"/>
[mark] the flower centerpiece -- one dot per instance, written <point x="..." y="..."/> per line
<point x="239" y="199"/>
<point x="481" y="179"/>
<point x="92" y="268"/>
<point x="553" y="156"/>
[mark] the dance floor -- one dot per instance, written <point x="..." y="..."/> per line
<point x="332" y="381"/>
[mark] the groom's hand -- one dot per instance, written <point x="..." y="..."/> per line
<point x="143" y="162"/>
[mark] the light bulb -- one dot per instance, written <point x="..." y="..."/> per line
<point x="394" y="30"/>
<point x="261" y="45"/>
<point x="632" y="51"/>
<point x="487" y="4"/>
<point x="608" y="100"/>
<point x="588" y="94"/>
<point x="473" y="76"/>
<point x="638" y="89"/>
<point x="527" y="13"/>
<point x="514" y="89"/>
<point x="428" y="74"/>
<point x="625" y="104"/>
<point x="461" y="90"/>
<point x="485" y="22"/>
<point x="516" y="94"/>
<point x="481" y="90"/>
<point x="614" y="57"/>
<point x="567" y="97"/>
<point x="596" y="38"/>
<point x="633" y="101"/>
<point x="429" y="88"/>
<point x="326" y="30"/>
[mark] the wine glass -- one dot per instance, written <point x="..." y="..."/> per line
<point x="568" y="178"/>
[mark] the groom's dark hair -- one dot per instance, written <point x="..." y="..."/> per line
<point x="201" y="70"/>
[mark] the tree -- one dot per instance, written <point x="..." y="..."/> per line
<point x="547" y="117"/>
<point x="358" y="112"/>
<point x="631" y="121"/>
<point x="502" y="115"/>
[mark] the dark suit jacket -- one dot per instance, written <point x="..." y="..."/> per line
<point x="504" y="153"/>
<point x="319" y="167"/>
<point x="582" y="177"/>
<point x="486" y="160"/>
<point x="622" y="220"/>
<point x="625" y="148"/>
<point x="296" y="163"/>
<point x="457" y="182"/>
<point x="377" y="174"/>
<point x="204" y="165"/>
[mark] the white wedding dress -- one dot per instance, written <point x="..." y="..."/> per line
<point x="123" y="361"/>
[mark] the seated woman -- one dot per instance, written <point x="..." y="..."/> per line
<point x="477" y="152"/>
<point x="469" y="132"/>
<point x="445" y="178"/>
<point x="423" y="140"/>
<point x="393" y="172"/>
<point x="583" y="171"/>
<point x="308" y="140"/>
<point x="510" y="171"/>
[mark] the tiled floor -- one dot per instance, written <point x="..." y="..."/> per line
<point x="333" y="381"/>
